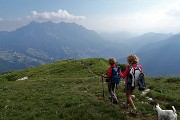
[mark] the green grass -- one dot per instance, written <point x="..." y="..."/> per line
<point x="56" y="98"/>
<point x="166" y="90"/>
<point x="72" y="90"/>
<point x="63" y="69"/>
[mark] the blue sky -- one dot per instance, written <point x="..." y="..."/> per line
<point x="137" y="16"/>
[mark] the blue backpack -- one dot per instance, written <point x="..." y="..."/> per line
<point x="116" y="78"/>
<point x="141" y="82"/>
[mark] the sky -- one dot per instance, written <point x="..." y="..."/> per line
<point x="135" y="16"/>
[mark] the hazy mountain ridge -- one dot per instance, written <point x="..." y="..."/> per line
<point x="118" y="36"/>
<point x="140" y="41"/>
<point x="162" y="58"/>
<point x="40" y="43"/>
<point x="130" y="43"/>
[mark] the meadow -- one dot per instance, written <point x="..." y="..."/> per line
<point x="73" y="90"/>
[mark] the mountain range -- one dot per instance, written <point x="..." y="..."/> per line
<point x="40" y="43"/>
<point x="162" y="58"/>
<point x="58" y="41"/>
<point x="146" y="39"/>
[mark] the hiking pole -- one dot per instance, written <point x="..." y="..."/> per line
<point x="116" y="90"/>
<point x="102" y="84"/>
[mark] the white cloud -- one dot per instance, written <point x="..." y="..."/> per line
<point x="60" y="15"/>
<point x="164" y="20"/>
<point x="174" y="9"/>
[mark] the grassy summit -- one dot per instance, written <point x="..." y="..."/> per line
<point x="63" y="69"/>
<point x="72" y="89"/>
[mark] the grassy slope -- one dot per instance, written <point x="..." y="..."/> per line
<point x="72" y="89"/>
<point x="63" y="69"/>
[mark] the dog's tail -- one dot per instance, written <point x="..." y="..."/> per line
<point x="174" y="110"/>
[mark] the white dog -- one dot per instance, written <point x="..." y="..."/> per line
<point x="166" y="114"/>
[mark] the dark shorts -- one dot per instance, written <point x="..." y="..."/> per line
<point x="128" y="86"/>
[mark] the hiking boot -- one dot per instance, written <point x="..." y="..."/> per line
<point x="133" y="111"/>
<point x="115" y="102"/>
<point x="110" y="98"/>
<point x="125" y="105"/>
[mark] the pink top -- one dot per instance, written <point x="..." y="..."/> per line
<point x="127" y="70"/>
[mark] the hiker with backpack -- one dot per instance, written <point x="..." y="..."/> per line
<point x="112" y="79"/>
<point x="131" y="73"/>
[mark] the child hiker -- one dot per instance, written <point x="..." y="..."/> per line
<point x="110" y="83"/>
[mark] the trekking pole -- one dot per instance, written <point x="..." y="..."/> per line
<point x="116" y="90"/>
<point x="103" y="86"/>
